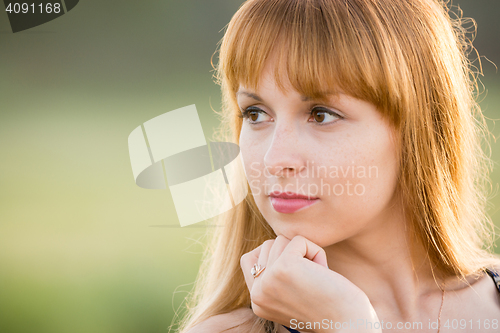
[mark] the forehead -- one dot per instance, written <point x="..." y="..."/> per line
<point x="276" y="73"/>
<point x="323" y="96"/>
<point x="249" y="94"/>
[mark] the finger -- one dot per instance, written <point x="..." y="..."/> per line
<point x="265" y="248"/>
<point x="246" y="262"/>
<point x="279" y="246"/>
<point x="264" y="253"/>
<point x="301" y="246"/>
<point x="250" y="258"/>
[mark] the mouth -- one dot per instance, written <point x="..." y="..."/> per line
<point x="289" y="203"/>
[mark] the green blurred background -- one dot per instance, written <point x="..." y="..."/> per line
<point x="82" y="248"/>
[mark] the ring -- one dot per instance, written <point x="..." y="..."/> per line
<point x="256" y="270"/>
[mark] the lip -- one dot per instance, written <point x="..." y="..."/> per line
<point x="290" y="195"/>
<point x="288" y="203"/>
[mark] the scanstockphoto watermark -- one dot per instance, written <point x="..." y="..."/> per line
<point x="488" y="325"/>
<point x="312" y="189"/>
<point x="354" y="325"/>
<point x="349" y="180"/>
<point x="322" y="171"/>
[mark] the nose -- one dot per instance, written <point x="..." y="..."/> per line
<point x="283" y="158"/>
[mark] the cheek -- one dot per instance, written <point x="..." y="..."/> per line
<point x="367" y="173"/>
<point x="384" y="162"/>
<point x="251" y="155"/>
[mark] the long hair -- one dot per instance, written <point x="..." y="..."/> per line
<point x="411" y="60"/>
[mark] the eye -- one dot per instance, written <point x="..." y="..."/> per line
<point x="252" y="113"/>
<point x="320" y="114"/>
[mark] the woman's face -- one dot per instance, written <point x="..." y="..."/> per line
<point x="343" y="154"/>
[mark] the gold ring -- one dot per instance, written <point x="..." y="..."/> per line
<point x="256" y="270"/>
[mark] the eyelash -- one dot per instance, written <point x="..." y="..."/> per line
<point x="245" y="113"/>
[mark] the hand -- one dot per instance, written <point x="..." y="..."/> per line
<point x="297" y="286"/>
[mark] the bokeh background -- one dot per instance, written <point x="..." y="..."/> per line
<point x="82" y="248"/>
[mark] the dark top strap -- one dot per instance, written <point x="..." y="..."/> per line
<point x="495" y="276"/>
<point x="292" y="330"/>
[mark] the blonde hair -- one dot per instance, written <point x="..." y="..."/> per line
<point x="408" y="58"/>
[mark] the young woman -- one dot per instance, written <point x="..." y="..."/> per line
<point x="361" y="143"/>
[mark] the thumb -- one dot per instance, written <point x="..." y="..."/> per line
<point x="320" y="258"/>
<point x="302" y="247"/>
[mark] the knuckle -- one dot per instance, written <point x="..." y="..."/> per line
<point x="257" y="298"/>
<point x="279" y="269"/>
<point x="259" y="312"/>
<point x="281" y="272"/>
<point x="268" y="242"/>
<point x="267" y="289"/>
<point x="244" y="259"/>
<point x="282" y="239"/>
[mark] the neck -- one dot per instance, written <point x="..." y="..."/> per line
<point x="383" y="261"/>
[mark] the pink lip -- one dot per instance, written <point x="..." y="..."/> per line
<point x="290" y="195"/>
<point x="288" y="206"/>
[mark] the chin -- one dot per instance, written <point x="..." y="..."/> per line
<point x="305" y="232"/>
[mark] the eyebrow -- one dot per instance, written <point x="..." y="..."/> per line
<point x="258" y="98"/>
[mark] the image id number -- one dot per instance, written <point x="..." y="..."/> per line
<point x="33" y="9"/>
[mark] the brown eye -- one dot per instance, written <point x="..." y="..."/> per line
<point x="252" y="114"/>
<point x="320" y="114"/>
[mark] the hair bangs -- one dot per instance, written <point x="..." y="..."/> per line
<point x="319" y="49"/>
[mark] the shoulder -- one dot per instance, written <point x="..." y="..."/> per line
<point x="493" y="274"/>
<point x="236" y="321"/>
<point x="484" y="286"/>
<point x="479" y="300"/>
